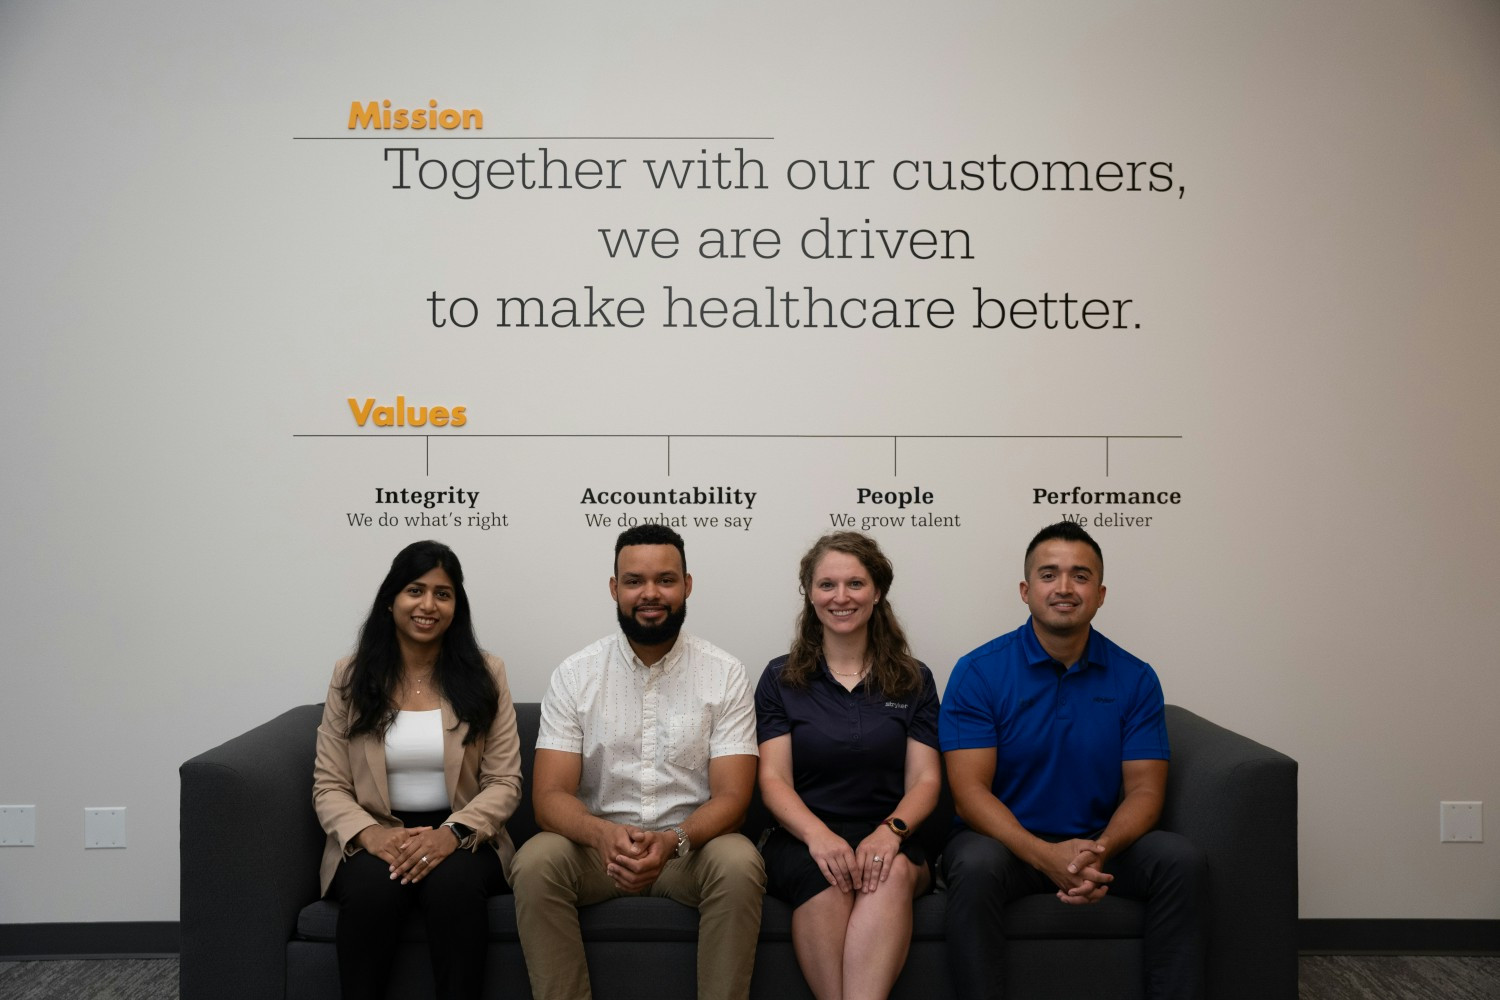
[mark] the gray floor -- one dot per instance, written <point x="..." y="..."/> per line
<point x="1399" y="977"/>
<point x="1322" y="977"/>
<point x="100" y="979"/>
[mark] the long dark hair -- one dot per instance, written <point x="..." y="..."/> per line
<point x="893" y="670"/>
<point x="459" y="673"/>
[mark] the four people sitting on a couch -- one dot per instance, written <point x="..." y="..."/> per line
<point x="646" y="759"/>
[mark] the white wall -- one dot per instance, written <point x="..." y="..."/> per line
<point x="185" y="287"/>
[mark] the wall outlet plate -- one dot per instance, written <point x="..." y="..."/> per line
<point x="104" y="826"/>
<point x="17" y="826"/>
<point x="1461" y="822"/>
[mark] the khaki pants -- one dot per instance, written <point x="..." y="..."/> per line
<point x="552" y="877"/>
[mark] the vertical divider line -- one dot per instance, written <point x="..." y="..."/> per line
<point x="1106" y="458"/>
<point x="895" y="467"/>
<point x="669" y="454"/>
<point x="428" y="448"/>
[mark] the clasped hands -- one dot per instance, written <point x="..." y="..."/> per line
<point x="1075" y="867"/>
<point x="858" y="869"/>
<point x="412" y="852"/>
<point x="633" y="858"/>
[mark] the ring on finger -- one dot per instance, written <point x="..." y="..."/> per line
<point x="424" y="859"/>
<point x="879" y="860"/>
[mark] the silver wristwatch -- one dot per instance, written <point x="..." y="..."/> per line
<point x="683" y="844"/>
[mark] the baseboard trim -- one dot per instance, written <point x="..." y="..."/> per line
<point x="144" y="939"/>
<point x="1398" y="937"/>
<point x="123" y="939"/>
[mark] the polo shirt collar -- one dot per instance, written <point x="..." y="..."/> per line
<point x="1036" y="656"/>
<point x="825" y="673"/>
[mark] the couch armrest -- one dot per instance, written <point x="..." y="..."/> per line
<point x="250" y="848"/>
<point x="1237" y="800"/>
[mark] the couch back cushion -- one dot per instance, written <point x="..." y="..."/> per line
<point x="523" y="824"/>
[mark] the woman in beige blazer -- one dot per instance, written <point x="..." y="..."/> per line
<point x="418" y="768"/>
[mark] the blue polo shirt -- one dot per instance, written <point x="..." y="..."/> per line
<point x="848" y="747"/>
<point x="1059" y="737"/>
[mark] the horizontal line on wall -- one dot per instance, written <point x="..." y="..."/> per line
<point x="421" y="134"/>
<point x="875" y="437"/>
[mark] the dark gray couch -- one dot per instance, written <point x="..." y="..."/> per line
<point x="253" y="926"/>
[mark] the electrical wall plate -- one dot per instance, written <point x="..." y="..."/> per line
<point x="104" y="826"/>
<point x="17" y="826"/>
<point x="1461" y="822"/>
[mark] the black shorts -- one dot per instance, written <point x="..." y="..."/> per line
<point x="793" y="877"/>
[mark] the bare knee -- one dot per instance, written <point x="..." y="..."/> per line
<point x="906" y="878"/>
<point x="829" y="903"/>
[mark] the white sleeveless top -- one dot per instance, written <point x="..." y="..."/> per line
<point x="414" y="762"/>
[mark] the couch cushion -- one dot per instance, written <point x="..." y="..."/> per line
<point x="630" y="919"/>
<point x="1032" y="917"/>
<point x="637" y="919"/>
<point x="1043" y="917"/>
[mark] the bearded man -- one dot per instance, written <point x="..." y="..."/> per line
<point x="645" y="763"/>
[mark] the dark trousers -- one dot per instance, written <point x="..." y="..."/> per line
<point x="373" y="908"/>
<point x="1163" y="870"/>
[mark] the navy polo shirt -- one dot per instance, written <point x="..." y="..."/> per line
<point x="1059" y="738"/>
<point x="848" y="747"/>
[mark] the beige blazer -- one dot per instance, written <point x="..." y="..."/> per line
<point x="349" y="782"/>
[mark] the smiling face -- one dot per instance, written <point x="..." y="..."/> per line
<point x="841" y="593"/>
<point x="423" y="609"/>
<point x="1064" y="586"/>
<point x="650" y="591"/>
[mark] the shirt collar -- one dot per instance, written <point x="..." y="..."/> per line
<point x="826" y="673"/>
<point x="826" y="676"/>
<point x="675" y="654"/>
<point x="1036" y="656"/>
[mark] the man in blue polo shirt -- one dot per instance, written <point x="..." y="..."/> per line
<point x="1056" y="747"/>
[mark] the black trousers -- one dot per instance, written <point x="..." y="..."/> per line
<point x="1163" y="870"/>
<point x="452" y="897"/>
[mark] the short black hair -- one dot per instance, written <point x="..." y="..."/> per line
<point x="650" y="534"/>
<point x="1067" y="531"/>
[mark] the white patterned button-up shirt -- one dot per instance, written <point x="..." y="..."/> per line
<point x="646" y="734"/>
